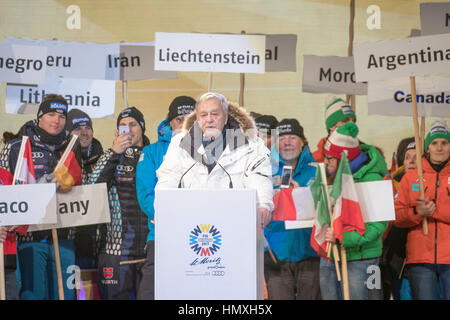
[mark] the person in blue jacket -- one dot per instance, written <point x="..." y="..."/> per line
<point x="151" y="158"/>
<point x="291" y="266"/>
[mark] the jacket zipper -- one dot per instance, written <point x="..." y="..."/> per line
<point x="435" y="222"/>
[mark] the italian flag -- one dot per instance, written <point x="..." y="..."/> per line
<point x="322" y="221"/>
<point x="347" y="212"/>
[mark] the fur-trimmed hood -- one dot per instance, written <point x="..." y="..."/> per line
<point x="237" y="117"/>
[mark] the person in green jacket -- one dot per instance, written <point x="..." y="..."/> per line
<point x="363" y="251"/>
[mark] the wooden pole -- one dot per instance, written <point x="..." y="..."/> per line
<point x="418" y="146"/>
<point x="351" y="32"/>
<point x="58" y="264"/>
<point x="241" y="84"/>
<point x="210" y="77"/>
<point x="345" y="274"/>
<point x="2" y="274"/>
<point x="124" y="89"/>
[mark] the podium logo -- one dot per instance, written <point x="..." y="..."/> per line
<point x="205" y="240"/>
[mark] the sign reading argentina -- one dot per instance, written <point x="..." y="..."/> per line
<point x="435" y="18"/>
<point x="393" y="97"/>
<point x="417" y="56"/>
<point x="330" y="74"/>
<point x="95" y="97"/>
<point x="210" y="52"/>
<point x="82" y="205"/>
<point x="27" y="204"/>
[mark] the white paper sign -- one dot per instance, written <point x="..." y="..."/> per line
<point x="95" y="97"/>
<point x="27" y="204"/>
<point x="207" y="246"/>
<point x="418" y="56"/>
<point x="210" y="52"/>
<point x="393" y="97"/>
<point x="82" y="205"/>
<point x="330" y="74"/>
<point x="22" y="63"/>
<point x="101" y="61"/>
<point x="375" y="200"/>
<point x="435" y="18"/>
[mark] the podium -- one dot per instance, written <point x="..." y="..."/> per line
<point x="207" y="245"/>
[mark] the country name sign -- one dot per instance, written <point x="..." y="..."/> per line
<point x="210" y="52"/>
<point x="418" y="56"/>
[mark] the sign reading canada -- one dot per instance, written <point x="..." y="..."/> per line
<point x="210" y="52"/>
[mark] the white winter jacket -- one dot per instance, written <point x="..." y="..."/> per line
<point x="244" y="163"/>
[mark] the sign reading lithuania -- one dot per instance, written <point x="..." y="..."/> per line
<point x="330" y="74"/>
<point x="435" y="18"/>
<point x="393" y="97"/>
<point x="418" y="56"/>
<point x="210" y="52"/>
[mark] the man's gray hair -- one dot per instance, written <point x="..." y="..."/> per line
<point x="212" y="95"/>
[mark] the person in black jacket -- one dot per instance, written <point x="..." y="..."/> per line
<point x="79" y="123"/>
<point x="122" y="253"/>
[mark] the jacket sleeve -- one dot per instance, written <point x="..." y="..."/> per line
<point x="171" y="171"/>
<point x="258" y="176"/>
<point x="146" y="182"/>
<point x="105" y="168"/>
<point x="374" y="230"/>
<point x="5" y="157"/>
<point x="404" y="209"/>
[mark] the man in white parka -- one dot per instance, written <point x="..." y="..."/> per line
<point x="219" y="149"/>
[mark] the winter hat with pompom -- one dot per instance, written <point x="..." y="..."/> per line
<point x="337" y="110"/>
<point x="343" y="138"/>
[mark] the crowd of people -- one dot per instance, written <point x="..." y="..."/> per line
<point x="214" y="143"/>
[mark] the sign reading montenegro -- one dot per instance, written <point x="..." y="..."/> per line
<point x="210" y="52"/>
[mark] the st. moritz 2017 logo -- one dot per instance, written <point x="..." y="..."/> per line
<point x="205" y="240"/>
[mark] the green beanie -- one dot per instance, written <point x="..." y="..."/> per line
<point x="336" y="111"/>
<point x="438" y="130"/>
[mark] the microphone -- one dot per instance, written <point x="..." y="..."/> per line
<point x="231" y="183"/>
<point x="179" y="184"/>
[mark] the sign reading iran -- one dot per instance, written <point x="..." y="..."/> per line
<point x="418" y="56"/>
<point x="393" y="97"/>
<point x="27" y="204"/>
<point x="330" y="74"/>
<point x="83" y="205"/>
<point x="95" y="97"/>
<point x="435" y="18"/>
<point x="210" y="52"/>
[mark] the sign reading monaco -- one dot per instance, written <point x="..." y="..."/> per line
<point x="210" y="52"/>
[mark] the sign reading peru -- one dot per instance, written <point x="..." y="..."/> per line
<point x="210" y="52"/>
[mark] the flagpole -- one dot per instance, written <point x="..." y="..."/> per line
<point x="419" y="148"/>
<point x="335" y="249"/>
<point x="54" y="231"/>
<point x="345" y="273"/>
<point x="241" y="84"/>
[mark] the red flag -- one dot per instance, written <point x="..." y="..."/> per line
<point x="284" y="207"/>
<point x="24" y="172"/>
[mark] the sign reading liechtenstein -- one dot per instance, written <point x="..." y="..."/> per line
<point x="418" y="56"/>
<point x="393" y="97"/>
<point x="435" y="18"/>
<point x="330" y="74"/>
<point x="210" y="52"/>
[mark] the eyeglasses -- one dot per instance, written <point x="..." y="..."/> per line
<point x="328" y="158"/>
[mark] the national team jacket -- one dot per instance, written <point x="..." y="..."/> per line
<point x="434" y="247"/>
<point x="127" y="232"/>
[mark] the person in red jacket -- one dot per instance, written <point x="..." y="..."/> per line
<point x="337" y="113"/>
<point x="8" y="238"/>
<point x="428" y="256"/>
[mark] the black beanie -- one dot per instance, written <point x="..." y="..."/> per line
<point x="290" y="126"/>
<point x="266" y="122"/>
<point x="180" y="105"/>
<point x="77" y="118"/>
<point x="53" y="105"/>
<point x="134" y="113"/>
